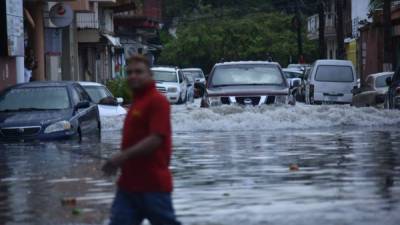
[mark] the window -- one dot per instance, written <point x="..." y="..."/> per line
<point x="380" y="82"/>
<point x="194" y="74"/>
<point x="330" y="73"/>
<point x="244" y="74"/>
<point x="164" y="76"/>
<point x="97" y="93"/>
<point x="75" y="96"/>
<point x="39" y="98"/>
<point x="83" y="96"/>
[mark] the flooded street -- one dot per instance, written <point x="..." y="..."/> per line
<point x="231" y="165"/>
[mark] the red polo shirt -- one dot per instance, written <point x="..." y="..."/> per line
<point x="150" y="114"/>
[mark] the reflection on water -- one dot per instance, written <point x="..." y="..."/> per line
<point x="346" y="176"/>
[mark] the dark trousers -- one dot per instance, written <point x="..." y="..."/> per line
<point x="133" y="208"/>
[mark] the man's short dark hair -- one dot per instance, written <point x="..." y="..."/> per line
<point x="138" y="59"/>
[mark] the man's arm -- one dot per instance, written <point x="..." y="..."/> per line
<point x="144" y="147"/>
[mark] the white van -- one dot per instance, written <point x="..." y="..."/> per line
<point x="330" y="81"/>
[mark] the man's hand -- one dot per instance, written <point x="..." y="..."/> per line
<point x="110" y="168"/>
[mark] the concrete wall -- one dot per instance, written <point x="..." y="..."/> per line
<point x="371" y="44"/>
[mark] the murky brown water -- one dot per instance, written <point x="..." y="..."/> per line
<point x="346" y="176"/>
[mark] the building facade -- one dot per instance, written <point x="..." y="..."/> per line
<point x="137" y="23"/>
<point x="97" y="44"/>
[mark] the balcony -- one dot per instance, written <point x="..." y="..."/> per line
<point x="138" y="14"/>
<point x="313" y="26"/>
<point x="87" y="21"/>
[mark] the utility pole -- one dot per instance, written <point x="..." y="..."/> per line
<point x="387" y="36"/>
<point x="298" y="25"/>
<point x="321" y="30"/>
<point x="341" y="51"/>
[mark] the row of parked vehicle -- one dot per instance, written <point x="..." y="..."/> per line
<point x="334" y="81"/>
<point x="179" y="85"/>
<point x="55" y="110"/>
<point x="324" y="82"/>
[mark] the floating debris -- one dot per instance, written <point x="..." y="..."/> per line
<point x="76" y="212"/>
<point x="294" y="167"/>
<point x="68" y="201"/>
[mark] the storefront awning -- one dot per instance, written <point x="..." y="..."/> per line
<point x="114" y="41"/>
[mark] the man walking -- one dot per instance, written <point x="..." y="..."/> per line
<point x="145" y="184"/>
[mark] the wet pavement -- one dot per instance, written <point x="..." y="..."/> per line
<point x="231" y="166"/>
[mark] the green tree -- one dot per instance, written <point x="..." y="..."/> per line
<point x="202" y="43"/>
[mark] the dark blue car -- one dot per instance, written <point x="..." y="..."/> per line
<point x="47" y="111"/>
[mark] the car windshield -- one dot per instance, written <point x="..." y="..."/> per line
<point x="380" y="81"/>
<point x="194" y="74"/>
<point x="165" y="76"/>
<point x="290" y="74"/>
<point x="247" y="75"/>
<point x="332" y="73"/>
<point x="97" y="93"/>
<point x="43" y="98"/>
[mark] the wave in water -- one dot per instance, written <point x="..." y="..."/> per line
<point x="228" y="118"/>
<point x="234" y="118"/>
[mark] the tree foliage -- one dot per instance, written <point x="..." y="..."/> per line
<point x="202" y="43"/>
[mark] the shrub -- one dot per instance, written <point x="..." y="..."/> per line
<point x="119" y="88"/>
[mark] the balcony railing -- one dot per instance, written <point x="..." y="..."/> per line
<point x="87" y="21"/>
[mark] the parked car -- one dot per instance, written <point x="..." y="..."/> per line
<point x="247" y="83"/>
<point x="374" y="91"/>
<point x="190" y="89"/>
<point x="108" y="105"/>
<point x="330" y="81"/>
<point x="392" y="100"/>
<point x="298" y="67"/>
<point x="197" y="74"/>
<point x="47" y="111"/>
<point x="200" y="80"/>
<point x="292" y="75"/>
<point x="171" y="82"/>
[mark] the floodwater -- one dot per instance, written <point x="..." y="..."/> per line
<point x="231" y="166"/>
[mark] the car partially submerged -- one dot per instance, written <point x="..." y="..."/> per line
<point x="108" y="105"/>
<point x="250" y="83"/>
<point x="195" y="73"/>
<point x="47" y="111"/>
<point x="171" y="82"/>
<point x="374" y="91"/>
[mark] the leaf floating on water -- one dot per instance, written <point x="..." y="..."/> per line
<point x="76" y="212"/>
<point x="68" y="201"/>
<point x="294" y="167"/>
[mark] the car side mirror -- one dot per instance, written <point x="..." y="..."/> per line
<point x="82" y="105"/>
<point x="120" y="101"/>
<point x="389" y="81"/>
